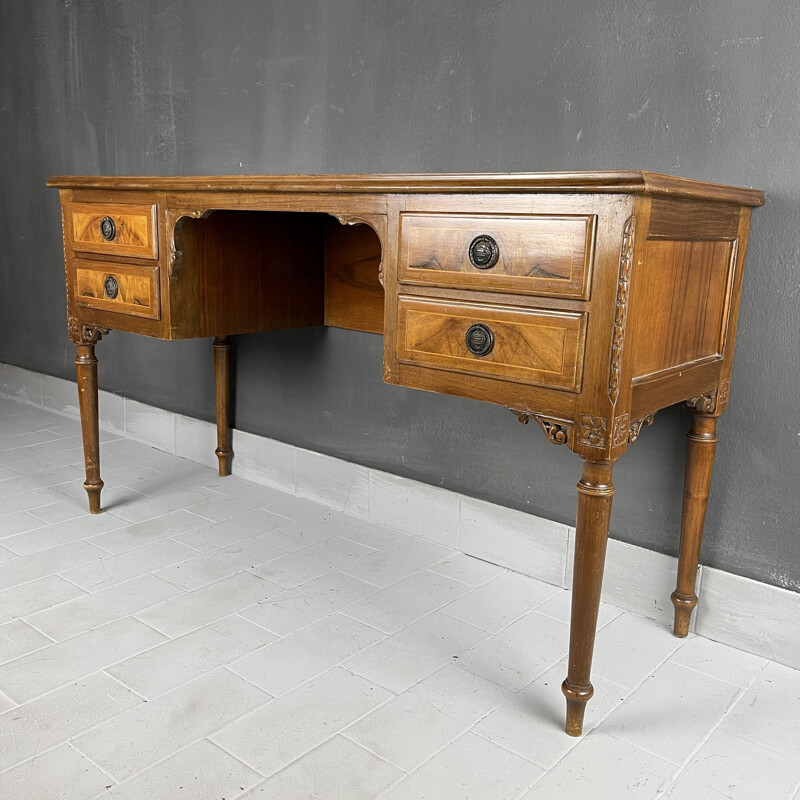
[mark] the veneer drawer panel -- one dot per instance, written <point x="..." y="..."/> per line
<point x="119" y="229"/>
<point x="533" y="346"/>
<point x="118" y="287"/>
<point x="542" y="254"/>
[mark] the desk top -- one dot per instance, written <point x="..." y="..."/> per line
<point x="613" y="182"/>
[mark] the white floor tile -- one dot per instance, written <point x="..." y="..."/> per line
<point x="60" y="774"/>
<point x="110" y="570"/>
<point x="255" y="523"/>
<point x="294" y="608"/>
<point x="408" y="600"/>
<point x="180" y="660"/>
<point x="91" y="611"/>
<point x="735" y="768"/>
<point x="336" y="770"/>
<point x="35" y="596"/>
<point x="719" y="661"/>
<point x="17" y="638"/>
<point x="311" y="562"/>
<point x="519" y="653"/>
<point x="461" y="695"/>
<point x="145" y="734"/>
<point x="467" y="569"/>
<point x="629" y="648"/>
<point x="201" y="570"/>
<point x="401" y="660"/>
<point x="397" y="561"/>
<point x="202" y="606"/>
<point x="560" y="607"/>
<point x="769" y="711"/>
<point x="283" y="730"/>
<point x="62" y="533"/>
<point x="48" y="562"/>
<point x="306" y="653"/>
<point x="200" y="771"/>
<point x="671" y="712"/>
<point x="18" y="522"/>
<point x="70" y="660"/>
<point x="531" y="722"/>
<point x="604" y="767"/>
<point x="40" y="724"/>
<point x="469" y="768"/>
<point x="405" y="731"/>
<point x="191" y="498"/>
<point x="501" y="601"/>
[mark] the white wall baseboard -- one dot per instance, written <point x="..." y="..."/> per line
<point x="743" y="613"/>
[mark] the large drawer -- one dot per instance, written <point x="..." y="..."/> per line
<point x="114" y="229"/>
<point x="117" y="287"/>
<point x="541" y="254"/>
<point x="533" y="346"/>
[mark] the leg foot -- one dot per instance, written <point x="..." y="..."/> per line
<point x="86" y="371"/>
<point x="700" y="448"/>
<point x="595" y="492"/>
<point x="222" y="382"/>
<point x="577" y="697"/>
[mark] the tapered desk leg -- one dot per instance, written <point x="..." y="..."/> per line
<point x="86" y="370"/>
<point x="595" y="492"/>
<point x="700" y="448"/>
<point x="222" y="380"/>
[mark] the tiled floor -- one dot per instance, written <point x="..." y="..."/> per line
<point x="213" y="638"/>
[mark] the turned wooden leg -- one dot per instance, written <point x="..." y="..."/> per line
<point x="700" y="447"/>
<point x="86" y="369"/>
<point x="222" y="381"/>
<point x="595" y="492"/>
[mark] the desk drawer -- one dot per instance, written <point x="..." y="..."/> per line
<point x="542" y="254"/>
<point x="534" y="346"/>
<point x="114" y="229"/>
<point x="117" y="287"/>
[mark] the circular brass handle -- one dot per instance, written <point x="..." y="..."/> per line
<point x="479" y="339"/>
<point x="483" y="252"/>
<point x="108" y="230"/>
<point x="111" y="287"/>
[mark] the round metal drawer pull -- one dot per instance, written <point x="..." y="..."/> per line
<point x="479" y="339"/>
<point x="484" y="252"/>
<point x="108" y="230"/>
<point x="111" y="287"/>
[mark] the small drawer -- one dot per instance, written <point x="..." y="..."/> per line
<point x="542" y="254"/>
<point x="534" y="346"/>
<point x="119" y="229"/>
<point x="117" y="287"/>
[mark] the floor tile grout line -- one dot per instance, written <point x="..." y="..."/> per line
<point x="93" y="763"/>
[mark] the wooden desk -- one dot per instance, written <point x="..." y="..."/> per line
<point x="585" y="302"/>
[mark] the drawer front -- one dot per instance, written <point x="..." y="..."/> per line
<point x="117" y="287"/>
<point x="543" y="254"/>
<point x="118" y="229"/>
<point x="539" y="347"/>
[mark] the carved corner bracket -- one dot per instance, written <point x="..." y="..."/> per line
<point x="558" y="431"/>
<point x="85" y="334"/>
<point x="175" y="253"/>
<point x="626" y="431"/>
<point x="355" y="219"/>
<point x="621" y="310"/>
<point x="711" y="402"/>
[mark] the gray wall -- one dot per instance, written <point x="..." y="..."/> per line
<point x="707" y="89"/>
